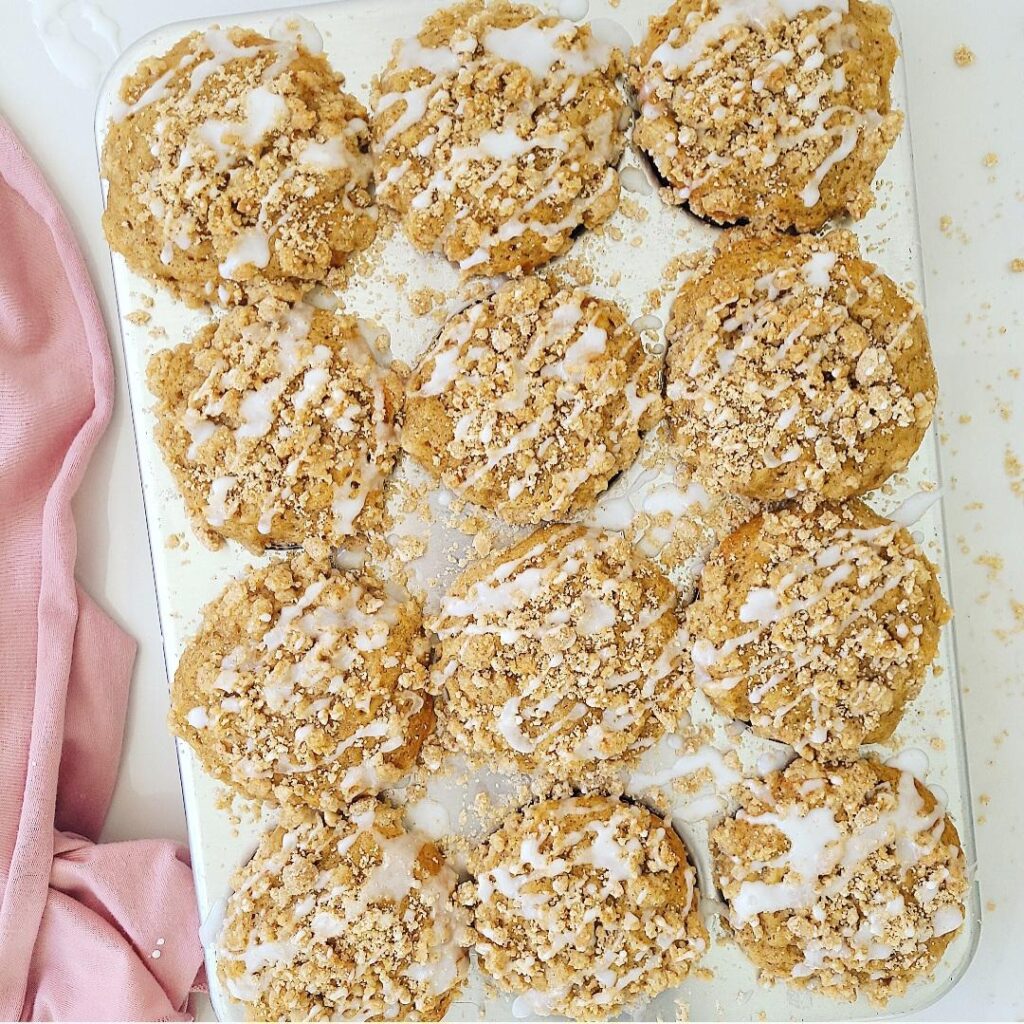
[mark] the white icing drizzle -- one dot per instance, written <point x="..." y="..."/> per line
<point x="694" y="803"/>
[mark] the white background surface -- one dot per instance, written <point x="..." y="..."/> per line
<point x="975" y="308"/>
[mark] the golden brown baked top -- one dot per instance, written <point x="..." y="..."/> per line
<point x="237" y="168"/>
<point x="531" y="401"/>
<point x="496" y="129"/>
<point x="561" y="653"/>
<point x="796" y="367"/>
<point x="279" y="424"/>
<point x="818" y="627"/>
<point x="353" y="920"/>
<point x="846" y="878"/>
<point x="767" y="110"/>
<point x="584" y="906"/>
<point x="305" y="684"/>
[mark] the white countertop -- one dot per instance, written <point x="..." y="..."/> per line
<point x="972" y="225"/>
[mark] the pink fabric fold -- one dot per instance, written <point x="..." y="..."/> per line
<point x="87" y="932"/>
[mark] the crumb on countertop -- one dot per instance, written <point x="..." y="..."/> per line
<point x="964" y="56"/>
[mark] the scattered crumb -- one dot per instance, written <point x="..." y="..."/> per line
<point x="424" y="300"/>
<point x="1017" y="608"/>
<point x="993" y="563"/>
<point x="964" y="56"/>
<point x="990" y="905"/>
<point x="945" y="224"/>
<point x="990" y="159"/>
<point x="1017" y="265"/>
<point x="176" y="540"/>
<point x="1015" y="471"/>
<point x="984" y="799"/>
<point x="139" y="317"/>
<point x="965" y="418"/>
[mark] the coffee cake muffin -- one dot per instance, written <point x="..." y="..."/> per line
<point x="352" y="920"/>
<point x="237" y="167"/>
<point x="796" y="367"/>
<point x="584" y="907"/>
<point x="496" y="130"/>
<point x="531" y="401"/>
<point x="848" y="879"/>
<point x="817" y="627"/>
<point x="305" y="684"/>
<point x="769" y="111"/>
<point x="560" y="654"/>
<point x="279" y="424"/>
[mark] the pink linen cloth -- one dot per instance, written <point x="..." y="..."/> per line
<point x="87" y="932"/>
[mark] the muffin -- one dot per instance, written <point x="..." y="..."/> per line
<point x="305" y="684"/>
<point x="532" y="400"/>
<point x="279" y="426"/>
<point x="349" y="920"/>
<point x="560" y="654"/>
<point x="777" y="113"/>
<point x="817" y="627"/>
<point x="237" y="167"/>
<point x="496" y="131"/>
<point x="796" y="367"/>
<point x="584" y="907"/>
<point x="848" y="879"/>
